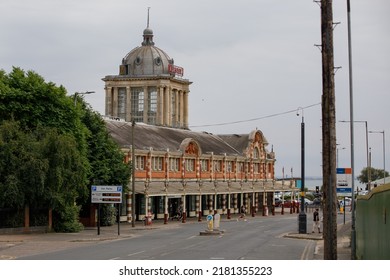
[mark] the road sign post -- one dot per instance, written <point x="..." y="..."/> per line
<point x="106" y="194"/>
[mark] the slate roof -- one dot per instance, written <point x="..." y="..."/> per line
<point x="162" y="138"/>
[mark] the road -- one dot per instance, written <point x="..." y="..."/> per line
<point x="259" y="238"/>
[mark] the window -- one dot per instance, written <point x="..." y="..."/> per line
<point x="157" y="163"/>
<point x="240" y="167"/>
<point x="256" y="167"/>
<point x="204" y="164"/>
<point x="122" y="103"/>
<point x="190" y="164"/>
<point x="217" y="166"/>
<point x="229" y="166"/>
<point x="256" y="153"/>
<point x="139" y="163"/>
<point x="173" y="108"/>
<point x="174" y="164"/>
<point x="152" y="105"/>
<point x="137" y="104"/>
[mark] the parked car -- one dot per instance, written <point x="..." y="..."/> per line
<point x="317" y="202"/>
<point x="278" y="202"/>
<point x="289" y="203"/>
<point x="308" y="201"/>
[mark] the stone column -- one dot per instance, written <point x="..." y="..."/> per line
<point x="177" y="108"/>
<point x="169" y="110"/>
<point x="181" y="109"/>
<point x="166" y="106"/>
<point x="160" y="106"/>
<point x="115" y="103"/>
<point x="185" y="109"/>
<point x="128" y="104"/>
<point x="146" y="102"/>
<point x="108" y="110"/>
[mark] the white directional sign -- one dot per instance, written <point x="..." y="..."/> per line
<point x="106" y="194"/>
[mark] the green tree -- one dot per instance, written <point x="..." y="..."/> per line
<point x="22" y="167"/>
<point x="106" y="160"/>
<point x="51" y="150"/>
<point x="104" y="155"/>
<point x="52" y="165"/>
<point x="375" y="174"/>
<point x="28" y="99"/>
<point x="66" y="179"/>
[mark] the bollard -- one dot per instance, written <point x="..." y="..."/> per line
<point x="210" y="222"/>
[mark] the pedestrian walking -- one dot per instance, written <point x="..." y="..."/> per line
<point x="316" y="221"/>
<point x="243" y="211"/>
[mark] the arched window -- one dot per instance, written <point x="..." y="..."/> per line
<point x="256" y="153"/>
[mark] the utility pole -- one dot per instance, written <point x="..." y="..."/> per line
<point x="328" y="133"/>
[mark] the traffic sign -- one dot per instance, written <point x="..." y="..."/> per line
<point x="344" y="181"/>
<point x="106" y="194"/>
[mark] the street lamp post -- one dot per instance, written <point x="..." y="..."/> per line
<point x="81" y="94"/>
<point x="302" y="215"/>
<point x="384" y="154"/>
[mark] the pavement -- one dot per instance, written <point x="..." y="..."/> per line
<point x="13" y="246"/>
<point x="343" y="242"/>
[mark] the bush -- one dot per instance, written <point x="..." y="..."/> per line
<point x="67" y="219"/>
<point x="108" y="215"/>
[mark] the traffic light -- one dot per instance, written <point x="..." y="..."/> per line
<point x="317" y="190"/>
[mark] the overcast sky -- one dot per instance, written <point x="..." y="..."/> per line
<point x="253" y="63"/>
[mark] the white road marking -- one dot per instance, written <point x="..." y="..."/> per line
<point x="136" y="253"/>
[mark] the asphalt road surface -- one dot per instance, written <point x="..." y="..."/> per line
<point x="252" y="239"/>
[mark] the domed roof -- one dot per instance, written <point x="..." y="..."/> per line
<point x="146" y="60"/>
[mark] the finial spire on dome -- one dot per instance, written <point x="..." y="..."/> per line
<point x="148" y="34"/>
<point x="147" y="25"/>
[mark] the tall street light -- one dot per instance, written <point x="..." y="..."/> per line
<point x="384" y="154"/>
<point x="302" y="215"/>
<point x="81" y="94"/>
<point x="353" y="230"/>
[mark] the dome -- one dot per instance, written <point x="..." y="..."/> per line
<point x="146" y="60"/>
<point x="148" y="31"/>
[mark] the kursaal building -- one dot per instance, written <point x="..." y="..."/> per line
<point x="200" y="173"/>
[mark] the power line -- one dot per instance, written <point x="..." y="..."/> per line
<point x="256" y="119"/>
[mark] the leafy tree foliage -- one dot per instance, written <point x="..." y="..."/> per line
<point x="22" y="168"/>
<point x="104" y="155"/>
<point x="51" y="151"/>
<point x="40" y="169"/>
<point x="375" y="174"/>
<point x="106" y="160"/>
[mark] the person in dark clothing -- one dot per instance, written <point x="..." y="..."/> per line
<point x="316" y="221"/>
<point x="243" y="211"/>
